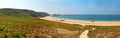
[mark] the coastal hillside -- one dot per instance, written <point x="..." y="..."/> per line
<point x="22" y="23"/>
<point x="21" y="13"/>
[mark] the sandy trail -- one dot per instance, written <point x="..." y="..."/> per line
<point x="84" y="34"/>
<point x="83" y="22"/>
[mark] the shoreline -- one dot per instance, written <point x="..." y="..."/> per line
<point x="86" y="20"/>
<point x="83" y="22"/>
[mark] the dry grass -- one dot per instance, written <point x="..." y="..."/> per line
<point x="105" y="32"/>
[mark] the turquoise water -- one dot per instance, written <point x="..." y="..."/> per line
<point x="92" y="17"/>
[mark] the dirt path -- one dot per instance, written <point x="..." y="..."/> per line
<point x="84" y="34"/>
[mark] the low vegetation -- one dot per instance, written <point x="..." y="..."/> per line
<point x="104" y="31"/>
<point x="19" y="23"/>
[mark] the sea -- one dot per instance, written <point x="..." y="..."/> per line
<point x="91" y="17"/>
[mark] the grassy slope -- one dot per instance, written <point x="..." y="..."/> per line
<point x="17" y="24"/>
<point x="104" y="31"/>
<point x="21" y="24"/>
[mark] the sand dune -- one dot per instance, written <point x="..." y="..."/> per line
<point x="83" y="22"/>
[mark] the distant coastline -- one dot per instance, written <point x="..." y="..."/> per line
<point x="83" y="22"/>
<point x="108" y="18"/>
<point x="86" y="20"/>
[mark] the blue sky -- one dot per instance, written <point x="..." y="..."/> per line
<point x="66" y="6"/>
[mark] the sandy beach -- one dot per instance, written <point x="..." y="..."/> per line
<point x="83" y="22"/>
